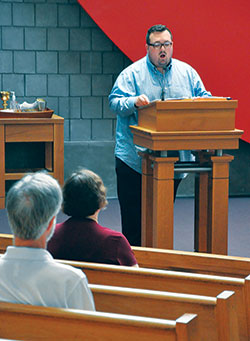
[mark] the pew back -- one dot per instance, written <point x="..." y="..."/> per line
<point x="217" y="315"/>
<point x="26" y="322"/>
<point x="192" y="262"/>
<point x="178" y="260"/>
<point x="5" y="240"/>
<point x="171" y="281"/>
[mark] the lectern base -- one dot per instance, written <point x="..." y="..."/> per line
<point x="211" y="203"/>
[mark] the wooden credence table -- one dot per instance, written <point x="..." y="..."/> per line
<point x="47" y="130"/>
<point x="206" y="126"/>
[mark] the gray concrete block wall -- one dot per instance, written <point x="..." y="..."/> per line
<point x="53" y="49"/>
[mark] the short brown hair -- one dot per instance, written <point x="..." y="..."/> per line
<point x="157" y="28"/>
<point x="83" y="194"/>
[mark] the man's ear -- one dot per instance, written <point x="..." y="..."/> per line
<point x="51" y="224"/>
<point x="146" y="47"/>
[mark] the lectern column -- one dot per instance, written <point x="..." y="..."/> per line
<point x="147" y="203"/>
<point x="211" y="206"/>
<point x="201" y="212"/>
<point x="162" y="202"/>
<point x="218" y="205"/>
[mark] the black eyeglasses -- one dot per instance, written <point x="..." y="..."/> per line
<point x="158" y="46"/>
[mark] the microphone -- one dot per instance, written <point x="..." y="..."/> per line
<point x="162" y="95"/>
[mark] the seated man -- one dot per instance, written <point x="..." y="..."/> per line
<point x="28" y="273"/>
<point x="81" y="237"/>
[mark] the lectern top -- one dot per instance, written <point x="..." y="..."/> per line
<point x="197" y="102"/>
<point x="195" y="114"/>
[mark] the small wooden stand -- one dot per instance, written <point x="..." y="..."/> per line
<point x="48" y="130"/>
<point x="200" y="125"/>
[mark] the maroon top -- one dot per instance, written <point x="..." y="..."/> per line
<point x="85" y="240"/>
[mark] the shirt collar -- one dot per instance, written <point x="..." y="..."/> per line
<point x="27" y="253"/>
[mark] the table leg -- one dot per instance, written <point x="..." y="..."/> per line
<point x="58" y="152"/>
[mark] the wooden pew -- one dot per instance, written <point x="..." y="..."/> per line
<point x="207" y="260"/>
<point x="192" y="262"/>
<point x="5" y="240"/>
<point x="26" y="322"/>
<point x="217" y="315"/>
<point x="173" y="281"/>
<point x="196" y="262"/>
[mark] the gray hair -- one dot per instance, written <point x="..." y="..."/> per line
<point x="31" y="203"/>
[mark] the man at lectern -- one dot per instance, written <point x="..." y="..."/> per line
<point x="157" y="76"/>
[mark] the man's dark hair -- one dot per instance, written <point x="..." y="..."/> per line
<point x="83" y="194"/>
<point x="157" y="28"/>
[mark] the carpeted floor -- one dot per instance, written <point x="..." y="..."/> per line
<point x="238" y="223"/>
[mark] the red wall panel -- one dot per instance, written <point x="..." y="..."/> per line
<point x="211" y="36"/>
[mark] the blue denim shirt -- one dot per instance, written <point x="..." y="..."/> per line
<point x="180" y="80"/>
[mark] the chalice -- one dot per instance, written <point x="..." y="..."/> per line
<point x="5" y="96"/>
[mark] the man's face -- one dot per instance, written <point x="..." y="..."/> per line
<point x="160" y="57"/>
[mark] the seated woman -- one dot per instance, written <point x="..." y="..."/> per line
<point x="80" y="237"/>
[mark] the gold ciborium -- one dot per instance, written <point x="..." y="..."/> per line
<point x="5" y="96"/>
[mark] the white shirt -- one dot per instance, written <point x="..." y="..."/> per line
<point x="32" y="276"/>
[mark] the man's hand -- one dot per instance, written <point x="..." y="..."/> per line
<point x="141" y="100"/>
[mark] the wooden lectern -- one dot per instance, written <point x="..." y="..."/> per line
<point x="206" y="126"/>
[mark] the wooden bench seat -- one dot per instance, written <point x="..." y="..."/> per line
<point x="26" y="322"/>
<point x="173" y="281"/>
<point x="217" y="315"/>
<point x="185" y="261"/>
